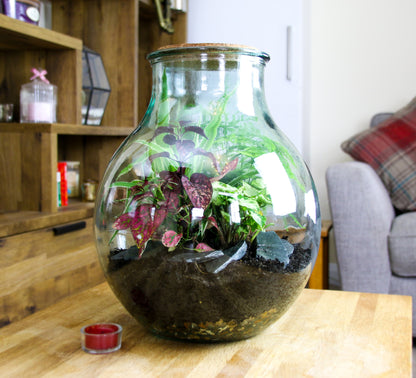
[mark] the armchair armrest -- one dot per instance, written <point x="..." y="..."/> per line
<point x="362" y="214"/>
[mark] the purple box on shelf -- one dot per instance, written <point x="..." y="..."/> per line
<point x="24" y="10"/>
<point x="9" y="8"/>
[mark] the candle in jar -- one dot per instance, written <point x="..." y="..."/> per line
<point x="101" y="338"/>
<point x="40" y="112"/>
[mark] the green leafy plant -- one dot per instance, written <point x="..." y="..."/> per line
<point x="194" y="198"/>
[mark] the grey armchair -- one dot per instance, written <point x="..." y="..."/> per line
<point x="376" y="249"/>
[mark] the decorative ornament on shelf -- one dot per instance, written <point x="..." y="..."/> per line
<point x="38" y="99"/>
<point x="95" y="88"/>
<point x="23" y="10"/>
<point x="163" y="8"/>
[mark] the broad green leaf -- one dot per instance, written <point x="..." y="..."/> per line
<point x="223" y="187"/>
<point x="248" y="203"/>
<point x="125" y="184"/>
<point x="151" y="145"/>
<point x="212" y="128"/>
<point x="259" y="219"/>
<point x="249" y="190"/>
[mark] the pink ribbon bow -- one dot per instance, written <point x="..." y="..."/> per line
<point x="40" y="74"/>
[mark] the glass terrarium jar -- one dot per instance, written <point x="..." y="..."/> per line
<point x="207" y="220"/>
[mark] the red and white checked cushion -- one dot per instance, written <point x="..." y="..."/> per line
<point x="390" y="149"/>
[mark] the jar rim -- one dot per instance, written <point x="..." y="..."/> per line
<point x="223" y="48"/>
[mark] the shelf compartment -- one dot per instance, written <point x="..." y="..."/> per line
<point x="92" y="151"/>
<point x="24" y="46"/>
<point x="30" y="153"/>
<point x="19" y="35"/>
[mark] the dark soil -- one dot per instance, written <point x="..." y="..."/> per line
<point x="184" y="300"/>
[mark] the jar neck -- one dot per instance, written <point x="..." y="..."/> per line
<point x="201" y="78"/>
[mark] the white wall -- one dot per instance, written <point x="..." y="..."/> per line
<point x="360" y="59"/>
<point x="353" y="58"/>
<point x="261" y="24"/>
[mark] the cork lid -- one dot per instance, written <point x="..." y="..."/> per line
<point x="206" y="45"/>
<point x="183" y="48"/>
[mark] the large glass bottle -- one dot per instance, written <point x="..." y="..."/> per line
<point x="207" y="220"/>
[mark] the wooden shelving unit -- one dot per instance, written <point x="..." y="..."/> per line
<point x="123" y="32"/>
<point x="38" y="266"/>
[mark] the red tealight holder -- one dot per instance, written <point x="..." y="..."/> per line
<point x="101" y="338"/>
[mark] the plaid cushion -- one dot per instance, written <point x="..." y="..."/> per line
<point x="390" y="148"/>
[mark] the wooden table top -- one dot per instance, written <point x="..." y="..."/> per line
<point x="324" y="334"/>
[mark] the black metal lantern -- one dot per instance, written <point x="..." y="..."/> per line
<point x="95" y="87"/>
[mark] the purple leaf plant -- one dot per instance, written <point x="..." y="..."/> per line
<point x="172" y="194"/>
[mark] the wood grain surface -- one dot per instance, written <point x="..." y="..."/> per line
<point x="320" y="274"/>
<point x="324" y="334"/>
<point x="17" y="35"/>
<point x="38" y="268"/>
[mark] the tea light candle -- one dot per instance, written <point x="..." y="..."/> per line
<point x="101" y="338"/>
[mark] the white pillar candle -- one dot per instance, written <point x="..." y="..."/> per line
<point x="40" y="112"/>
